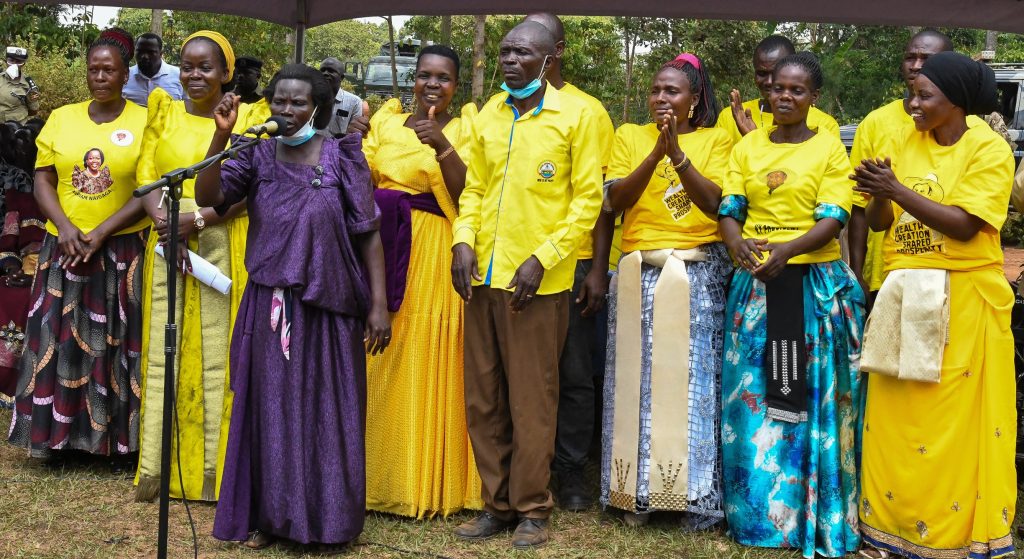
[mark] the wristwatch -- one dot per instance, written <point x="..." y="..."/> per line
<point x="199" y="222"/>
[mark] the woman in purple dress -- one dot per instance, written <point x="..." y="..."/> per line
<point x="294" y="466"/>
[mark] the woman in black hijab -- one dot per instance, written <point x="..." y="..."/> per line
<point x="937" y="474"/>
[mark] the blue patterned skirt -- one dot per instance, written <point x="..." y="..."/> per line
<point x="794" y="485"/>
<point x="708" y="285"/>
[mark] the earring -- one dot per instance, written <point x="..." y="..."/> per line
<point x="691" y="111"/>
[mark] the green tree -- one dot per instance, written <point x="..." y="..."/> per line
<point x="345" y="40"/>
<point x="41" y="28"/>
<point x="726" y="47"/>
<point x="268" y="42"/>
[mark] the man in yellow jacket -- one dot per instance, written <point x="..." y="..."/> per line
<point x="532" y="196"/>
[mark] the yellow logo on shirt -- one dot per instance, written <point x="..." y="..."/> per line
<point x="912" y="236"/>
<point x="546" y="171"/>
<point x="676" y="200"/>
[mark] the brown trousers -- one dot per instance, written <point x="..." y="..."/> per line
<point x="511" y="384"/>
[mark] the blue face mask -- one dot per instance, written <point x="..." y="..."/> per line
<point x="301" y="136"/>
<point x="530" y="88"/>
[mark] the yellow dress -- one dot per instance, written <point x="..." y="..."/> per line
<point x="418" y="457"/>
<point x="937" y="475"/>
<point x="205" y="318"/>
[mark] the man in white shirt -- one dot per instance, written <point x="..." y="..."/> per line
<point x="346" y="105"/>
<point x="151" y="72"/>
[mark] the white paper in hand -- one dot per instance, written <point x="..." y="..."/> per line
<point x="205" y="272"/>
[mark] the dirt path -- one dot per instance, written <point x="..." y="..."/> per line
<point x="1013" y="259"/>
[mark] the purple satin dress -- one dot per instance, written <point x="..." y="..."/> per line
<point x="295" y="461"/>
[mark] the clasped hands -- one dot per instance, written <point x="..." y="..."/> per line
<point x="750" y="254"/>
<point x="875" y="178"/>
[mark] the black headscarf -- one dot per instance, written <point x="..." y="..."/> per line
<point x="968" y="84"/>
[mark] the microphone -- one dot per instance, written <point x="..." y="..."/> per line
<point x="274" y="126"/>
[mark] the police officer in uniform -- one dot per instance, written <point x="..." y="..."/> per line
<point x="19" y="96"/>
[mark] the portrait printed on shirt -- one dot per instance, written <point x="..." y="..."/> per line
<point x="773" y="180"/>
<point x="776" y="178"/>
<point x="92" y="181"/>
<point x="912" y="236"/>
<point x="676" y="200"/>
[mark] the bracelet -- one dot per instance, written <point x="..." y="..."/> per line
<point x="445" y="153"/>
<point x="682" y="166"/>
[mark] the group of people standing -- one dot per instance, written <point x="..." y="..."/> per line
<point x="415" y="321"/>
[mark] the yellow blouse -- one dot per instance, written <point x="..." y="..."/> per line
<point x="174" y="138"/>
<point x="398" y="160"/>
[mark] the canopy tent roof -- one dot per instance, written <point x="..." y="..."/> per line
<point x="996" y="15"/>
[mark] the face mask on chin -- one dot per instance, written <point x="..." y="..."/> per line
<point x="530" y="88"/>
<point x="14" y="71"/>
<point x="302" y="135"/>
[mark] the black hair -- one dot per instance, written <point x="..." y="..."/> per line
<point x="773" y="43"/>
<point x="440" y="50"/>
<point x="323" y="95"/>
<point x="85" y="158"/>
<point x="216" y="48"/>
<point x="808" y="62"/>
<point x="118" y="39"/>
<point x="151" y="37"/>
<point x="947" y="43"/>
<point x="705" y="113"/>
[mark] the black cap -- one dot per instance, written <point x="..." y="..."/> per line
<point x="246" y="62"/>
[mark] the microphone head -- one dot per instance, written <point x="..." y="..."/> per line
<point x="275" y="125"/>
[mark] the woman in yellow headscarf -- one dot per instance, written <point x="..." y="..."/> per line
<point x="177" y="135"/>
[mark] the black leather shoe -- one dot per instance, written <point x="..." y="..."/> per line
<point x="484" y="526"/>
<point x="531" y="532"/>
<point x="572" y="492"/>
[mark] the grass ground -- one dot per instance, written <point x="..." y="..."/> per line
<point x="86" y="512"/>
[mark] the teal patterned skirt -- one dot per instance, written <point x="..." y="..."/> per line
<point x="794" y="485"/>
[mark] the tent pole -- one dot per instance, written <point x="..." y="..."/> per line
<point x="300" y="42"/>
<point x="301" y="19"/>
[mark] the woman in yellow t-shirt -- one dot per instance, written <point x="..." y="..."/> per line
<point x="791" y="391"/>
<point x="418" y="457"/>
<point x="938" y="465"/>
<point x="661" y="395"/>
<point x="178" y="134"/>
<point x="79" y="386"/>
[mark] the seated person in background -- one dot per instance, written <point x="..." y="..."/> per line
<point x="20" y="239"/>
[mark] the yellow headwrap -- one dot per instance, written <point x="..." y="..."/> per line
<point x="222" y="42"/>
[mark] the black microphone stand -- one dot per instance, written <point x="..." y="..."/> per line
<point x="171" y="183"/>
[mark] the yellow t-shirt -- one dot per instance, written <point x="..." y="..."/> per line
<point x="174" y="138"/>
<point x="605" y="134"/>
<point x="95" y="163"/>
<point x="664" y="216"/>
<point x="816" y="119"/>
<point x="784" y="185"/>
<point x="533" y="187"/>
<point x="880" y="135"/>
<point x="974" y="174"/>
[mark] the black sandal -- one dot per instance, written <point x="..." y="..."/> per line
<point x="259" y="540"/>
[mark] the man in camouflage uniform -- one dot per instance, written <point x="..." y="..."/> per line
<point x="19" y="96"/>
